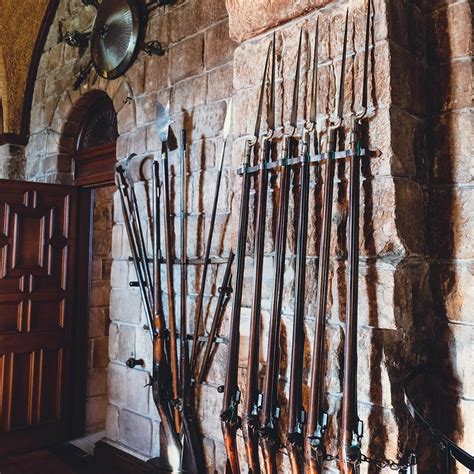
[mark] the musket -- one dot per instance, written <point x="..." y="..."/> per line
<point x="199" y="302"/>
<point x="252" y="401"/>
<point x="229" y="416"/>
<point x="163" y="123"/>
<point x="317" y="418"/>
<point x="192" y="457"/>
<point x="351" y="426"/>
<point x="270" y="408"/>
<point x="296" y="412"/>
<point x="225" y="291"/>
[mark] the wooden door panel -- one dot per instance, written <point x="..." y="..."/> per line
<point x="37" y="247"/>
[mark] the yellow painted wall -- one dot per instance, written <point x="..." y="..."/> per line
<point x="20" y="21"/>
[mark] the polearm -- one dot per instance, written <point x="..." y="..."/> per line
<point x="351" y="426"/>
<point x="317" y="418"/>
<point x="296" y="413"/>
<point x="138" y="228"/>
<point x="163" y="123"/>
<point x="160" y="373"/>
<point x="229" y="416"/>
<point x="252" y="405"/>
<point x="137" y="257"/>
<point x="207" y="253"/>
<point x="192" y="457"/>
<point x="270" y="409"/>
<point x="224" y="296"/>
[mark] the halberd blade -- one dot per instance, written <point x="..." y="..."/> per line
<point x="294" y="109"/>
<point x="163" y="121"/>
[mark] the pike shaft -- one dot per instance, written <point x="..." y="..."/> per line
<point x="199" y="303"/>
<point x="173" y="352"/>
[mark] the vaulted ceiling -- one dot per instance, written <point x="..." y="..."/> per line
<point x="20" y="26"/>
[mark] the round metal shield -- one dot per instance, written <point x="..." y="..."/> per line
<point x="115" y="37"/>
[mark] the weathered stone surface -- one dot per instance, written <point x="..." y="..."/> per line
<point x="186" y="58"/>
<point x="219" y="47"/>
<point x="246" y="22"/>
<point x="129" y="425"/>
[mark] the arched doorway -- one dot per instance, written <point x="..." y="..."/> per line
<point x="94" y="160"/>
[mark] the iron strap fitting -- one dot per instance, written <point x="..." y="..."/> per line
<point x="338" y="155"/>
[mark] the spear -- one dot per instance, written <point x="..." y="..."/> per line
<point x="271" y="408"/>
<point x="351" y="426"/>
<point x="199" y="303"/>
<point x="163" y="124"/>
<point x="296" y="413"/>
<point x="251" y="407"/>
<point x="317" y="418"/>
<point x="229" y="416"/>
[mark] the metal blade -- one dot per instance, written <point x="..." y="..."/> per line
<point x="313" y="111"/>
<point x="262" y="93"/>
<point x="294" y="110"/>
<point x="340" y="106"/>
<point x="228" y="120"/>
<point x="271" y="113"/>
<point x="366" y="64"/>
<point x="163" y="121"/>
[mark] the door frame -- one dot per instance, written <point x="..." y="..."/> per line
<point x="100" y="176"/>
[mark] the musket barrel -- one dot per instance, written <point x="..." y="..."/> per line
<point x="251" y="402"/>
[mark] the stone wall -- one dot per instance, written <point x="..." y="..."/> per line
<point x="415" y="273"/>
<point x="96" y="403"/>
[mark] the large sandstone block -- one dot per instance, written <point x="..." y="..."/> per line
<point x="129" y="425"/>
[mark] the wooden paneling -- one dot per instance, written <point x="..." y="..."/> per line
<point x="95" y="166"/>
<point x="38" y="242"/>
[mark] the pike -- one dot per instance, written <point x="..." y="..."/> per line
<point x="224" y="296"/>
<point x="252" y="402"/>
<point x="192" y="457"/>
<point x="163" y="124"/>
<point x="352" y="427"/>
<point x="296" y="412"/>
<point x="317" y="418"/>
<point x="270" y="409"/>
<point x="229" y="415"/>
<point x="199" y="303"/>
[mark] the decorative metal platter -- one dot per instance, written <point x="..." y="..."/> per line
<point x="115" y="37"/>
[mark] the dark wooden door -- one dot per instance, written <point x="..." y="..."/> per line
<point x="37" y="250"/>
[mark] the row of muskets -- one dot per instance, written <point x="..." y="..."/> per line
<point x="304" y="439"/>
<point x="175" y="371"/>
